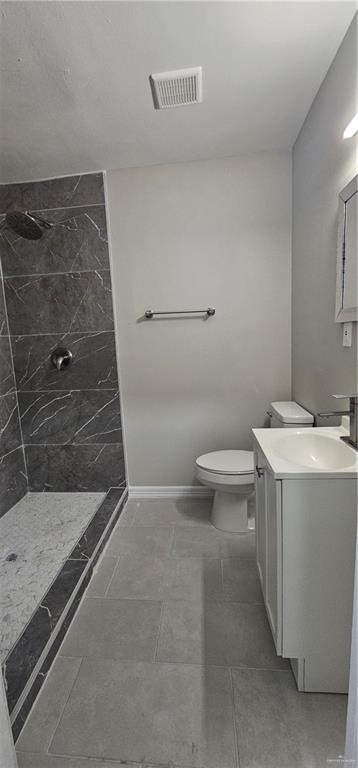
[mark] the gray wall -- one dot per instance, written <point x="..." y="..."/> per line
<point x="323" y="163"/>
<point x="189" y="236"/>
<point x="58" y="293"/>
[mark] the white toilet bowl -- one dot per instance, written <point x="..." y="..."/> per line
<point x="231" y="475"/>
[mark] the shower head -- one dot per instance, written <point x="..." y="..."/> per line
<point x="26" y="224"/>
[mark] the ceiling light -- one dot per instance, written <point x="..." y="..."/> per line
<point x="352" y="128"/>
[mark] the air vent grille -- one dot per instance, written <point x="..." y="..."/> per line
<point x="177" y="88"/>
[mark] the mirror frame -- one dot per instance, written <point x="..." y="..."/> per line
<point x="343" y="315"/>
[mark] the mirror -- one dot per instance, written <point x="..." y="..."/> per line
<point x="347" y="254"/>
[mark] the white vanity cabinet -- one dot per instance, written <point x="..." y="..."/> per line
<point x="268" y="537"/>
<point x="305" y="544"/>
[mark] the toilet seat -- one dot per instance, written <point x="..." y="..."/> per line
<point x="234" y="463"/>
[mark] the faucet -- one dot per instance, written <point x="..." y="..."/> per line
<point x="353" y="418"/>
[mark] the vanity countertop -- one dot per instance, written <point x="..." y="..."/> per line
<point x="312" y="452"/>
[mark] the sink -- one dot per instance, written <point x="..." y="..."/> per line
<point x="315" y="451"/>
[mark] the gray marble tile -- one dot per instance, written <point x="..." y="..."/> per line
<point x="209" y="542"/>
<point x="108" y="513"/>
<point x="226" y="634"/>
<point x="43" y="720"/>
<point x="171" y="511"/>
<point x="241" y="581"/>
<point x="70" y="417"/>
<point x="137" y="542"/>
<point x="38" y="633"/>
<point x="10" y="436"/>
<point x="278" y="727"/>
<point x="41" y="531"/>
<point x="93" y="366"/>
<point x="74" y="467"/>
<point x="185" y="714"/>
<point x="163" y="578"/>
<point x="13" y="479"/>
<point x="114" y="629"/>
<point x="53" y="193"/>
<point x="80" y="243"/>
<point x="101" y="577"/>
<point x="7" y="382"/>
<point x="76" y="301"/>
<point x="3" y="321"/>
<point x="31" y="760"/>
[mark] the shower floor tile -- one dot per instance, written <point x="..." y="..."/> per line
<point x="38" y="534"/>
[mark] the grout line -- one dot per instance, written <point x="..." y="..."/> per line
<point x="35" y="275"/>
<point x="52" y="391"/>
<point x="222" y="577"/>
<point x="208" y="600"/>
<point x="87" y="761"/>
<point x="67" y="207"/>
<point x="78" y="445"/>
<point x="155" y="659"/>
<point x="235" y="726"/>
<point x="117" y="763"/>
<point x="114" y="571"/>
<point x="67" y="698"/>
<point x="262" y="669"/>
<point x="63" y="334"/>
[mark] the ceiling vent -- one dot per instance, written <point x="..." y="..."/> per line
<point x="177" y="88"/>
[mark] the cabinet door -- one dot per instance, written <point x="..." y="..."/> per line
<point x="260" y="493"/>
<point x="273" y="596"/>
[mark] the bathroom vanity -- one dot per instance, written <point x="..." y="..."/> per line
<point x="306" y="518"/>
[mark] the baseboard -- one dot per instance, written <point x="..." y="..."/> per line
<point x="168" y="491"/>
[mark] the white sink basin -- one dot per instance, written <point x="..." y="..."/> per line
<point x="315" y="451"/>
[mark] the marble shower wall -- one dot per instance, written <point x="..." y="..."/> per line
<point x="13" y="479"/>
<point x="58" y="293"/>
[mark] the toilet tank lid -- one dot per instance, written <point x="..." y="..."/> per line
<point x="290" y="412"/>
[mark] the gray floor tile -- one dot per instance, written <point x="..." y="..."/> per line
<point x="114" y="629"/>
<point x="30" y="760"/>
<point x="171" y="511"/>
<point x="101" y="577"/>
<point x="157" y="578"/>
<point x="159" y="713"/>
<point x="241" y="581"/>
<point x="193" y="579"/>
<point x="138" y="577"/>
<point x="140" y="540"/>
<point x="43" y="719"/>
<point x="281" y="728"/>
<point x="232" y="634"/>
<point x="208" y="542"/>
<point x="126" y="517"/>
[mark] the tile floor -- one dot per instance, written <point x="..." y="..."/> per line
<point x="170" y="661"/>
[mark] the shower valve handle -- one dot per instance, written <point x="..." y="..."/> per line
<point x="61" y="358"/>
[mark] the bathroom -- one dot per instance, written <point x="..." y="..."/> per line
<point x="178" y="307"/>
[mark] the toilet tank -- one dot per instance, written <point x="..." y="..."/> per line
<point x="285" y="414"/>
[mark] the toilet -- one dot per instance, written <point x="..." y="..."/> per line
<point x="231" y="473"/>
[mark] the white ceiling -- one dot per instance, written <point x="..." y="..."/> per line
<point x="74" y="80"/>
